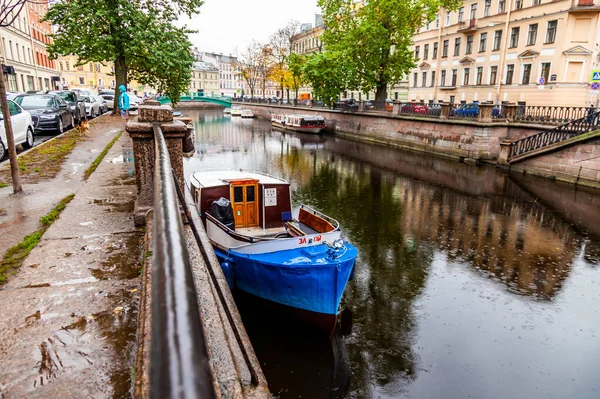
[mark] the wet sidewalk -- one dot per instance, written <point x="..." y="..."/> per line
<point x="69" y="315"/>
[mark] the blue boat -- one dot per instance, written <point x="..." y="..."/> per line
<point x="300" y="263"/>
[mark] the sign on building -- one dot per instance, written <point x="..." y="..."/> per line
<point x="595" y="77"/>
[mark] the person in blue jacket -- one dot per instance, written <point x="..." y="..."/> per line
<point x="124" y="102"/>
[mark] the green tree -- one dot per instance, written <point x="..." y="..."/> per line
<point x="296" y="64"/>
<point x="373" y="39"/>
<point x="137" y="35"/>
<point x="327" y="75"/>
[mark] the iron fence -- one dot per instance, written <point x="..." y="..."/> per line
<point x="552" y="136"/>
<point x="550" y="114"/>
<point x="179" y="356"/>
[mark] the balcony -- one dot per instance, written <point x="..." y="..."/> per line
<point x="468" y="26"/>
<point x="584" y="6"/>
<point x="585" y="3"/>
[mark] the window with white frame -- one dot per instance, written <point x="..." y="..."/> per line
<point x="486" y="8"/>
<point x="532" y="34"/>
<point x="545" y="72"/>
<point x="526" y="74"/>
<point x="479" y="76"/>
<point x="448" y="18"/>
<point x="493" y="74"/>
<point x="501" y="6"/>
<point x="466" y="76"/>
<point x="551" y="31"/>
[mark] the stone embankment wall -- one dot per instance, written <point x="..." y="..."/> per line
<point x="465" y="140"/>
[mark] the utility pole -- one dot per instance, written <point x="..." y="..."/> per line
<point x="10" y="139"/>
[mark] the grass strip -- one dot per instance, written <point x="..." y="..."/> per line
<point x="14" y="256"/>
<point x="45" y="161"/>
<point x="2" y="184"/>
<point x="100" y="157"/>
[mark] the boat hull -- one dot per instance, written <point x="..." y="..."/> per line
<point x="313" y="130"/>
<point x="308" y="280"/>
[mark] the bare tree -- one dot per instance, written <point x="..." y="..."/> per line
<point x="265" y="67"/>
<point x="249" y="65"/>
<point x="9" y="12"/>
<point x="281" y="45"/>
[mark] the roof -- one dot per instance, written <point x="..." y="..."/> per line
<point x="205" y="67"/>
<point x="214" y="178"/>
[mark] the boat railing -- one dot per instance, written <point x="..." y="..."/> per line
<point x="179" y="356"/>
<point x="329" y="219"/>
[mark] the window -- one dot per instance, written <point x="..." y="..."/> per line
<point x="473" y="11"/>
<point x="425" y="51"/>
<point x="80" y="68"/>
<point x="518" y="4"/>
<point x="91" y="67"/>
<point x="448" y="18"/>
<point x="417" y="50"/>
<point x="445" y="49"/>
<point x="60" y="65"/>
<point x="461" y="14"/>
<point x="479" y="75"/>
<point x="432" y="78"/>
<point x="514" y="37"/>
<point x="98" y="67"/>
<point x="493" y="74"/>
<point x="457" y="47"/>
<point x="454" y="73"/>
<point x="545" y="71"/>
<point x="469" y="48"/>
<point x="435" y="47"/>
<point x="13" y="108"/>
<point x="536" y="2"/>
<point x="81" y="80"/>
<point x="501" y="6"/>
<point x="551" y="31"/>
<point x="482" y="42"/>
<point x="466" y="76"/>
<point x="497" y="40"/>
<point x="532" y="34"/>
<point x="67" y="65"/>
<point x="526" y="74"/>
<point x="415" y="77"/>
<point x="424" y="79"/>
<point x="486" y="8"/>
<point x="437" y="21"/>
<point x="12" y="56"/>
<point x="443" y="78"/>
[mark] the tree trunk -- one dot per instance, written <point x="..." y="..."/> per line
<point x="10" y="139"/>
<point x="120" y="79"/>
<point x="381" y="95"/>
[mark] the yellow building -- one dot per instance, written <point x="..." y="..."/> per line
<point x="538" y="52"/>
<point x="205" y="79"/>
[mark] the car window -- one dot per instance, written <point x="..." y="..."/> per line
<point x="87" y="100"/>
<point x="67" y="96"/>
<point x="60" y="101"/>
<point x="33" y="102"/>
<point x="13" y="108"/>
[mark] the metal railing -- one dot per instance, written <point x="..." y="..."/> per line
<point x="179" y="356"/>
<point x="560" y="133"/>
<point x="549" y="114"/>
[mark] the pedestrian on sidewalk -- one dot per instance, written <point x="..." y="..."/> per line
<point x="124" y="102"/>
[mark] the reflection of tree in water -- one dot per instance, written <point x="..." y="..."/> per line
<point x="391" y="271"/>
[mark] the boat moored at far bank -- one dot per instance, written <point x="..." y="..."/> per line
<point x="299" y="123"/>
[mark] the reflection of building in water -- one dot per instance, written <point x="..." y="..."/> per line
<point x="527" y="248"/>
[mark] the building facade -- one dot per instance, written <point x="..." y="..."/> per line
<point x="537" y="52"/>
<point x="23" y="50"/>
<point x="205" y="79"/>
<point x="229" y="82"/>
<point x="92" y="75"/>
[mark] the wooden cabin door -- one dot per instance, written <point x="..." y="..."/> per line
<point x="245" y="204"/>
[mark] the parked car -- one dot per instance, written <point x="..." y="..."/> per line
<point x="389" y="105"/>
<point x="134" y="101"/>
<point x="49" y="112"/>
<point x="92" y="107"/>
<point x="74" y="101"/>
<point x="110" y="100"/>
<point x="368" y="105"/>
<point x="318" y="103"/>
<point x="22" y="126"/>
<point x="471" y="110"/>
<point x="414" y="108"/>
<point x="435" y="109"/>
<point x="349" y="104"/>
<point x="106" y="91"/>
<point x="103" y="104"/>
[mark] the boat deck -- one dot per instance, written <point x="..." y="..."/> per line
<point x="259" y="231"/>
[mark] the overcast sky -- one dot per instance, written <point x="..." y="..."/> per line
<point x="224" y="25"/>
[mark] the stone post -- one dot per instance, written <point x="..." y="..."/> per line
<point x="361" y="106"/>
<point x="445" y="113"/>
<point x="396" y="108"/>
<point x="485" y="112"/>
<point x="141" y="130"/>
<point x="504" y="153"/>
<point x="510" y="112"/>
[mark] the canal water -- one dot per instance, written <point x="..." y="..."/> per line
<point x="470" y="283"/>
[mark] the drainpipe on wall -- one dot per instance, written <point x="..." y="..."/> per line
<point x="503" y="56"/>
<point x="438" y="61"/>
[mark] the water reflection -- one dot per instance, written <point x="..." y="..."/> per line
<point x="469" y="282"/>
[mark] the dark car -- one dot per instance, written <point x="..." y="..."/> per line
<point x="471" y="110"/>
<point x="349" y="104"/>
<point x="74" y="101"/>
<point x="435" y="109"/>
<point x="49" y="112"/>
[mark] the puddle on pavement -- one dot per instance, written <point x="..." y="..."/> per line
<point x="126" y="179"/>
<point x="114" y="205"/>
<point x="123" y="263"/>
<point x="104" y="340"/>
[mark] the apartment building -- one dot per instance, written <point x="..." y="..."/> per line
<point x="205" y="79"/>
<point x="229" y="80"/>
<point x="23" y="50"/>
<point x="538" y="52"/>
<point x="92" y="75"/>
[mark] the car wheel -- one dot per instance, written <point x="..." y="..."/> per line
<point x="61" y="128"/>
<point x="2" y="151"/>
<point x="77" y="117"/>
<point x="72" y="124"/>
<point x="28" y="139"/>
